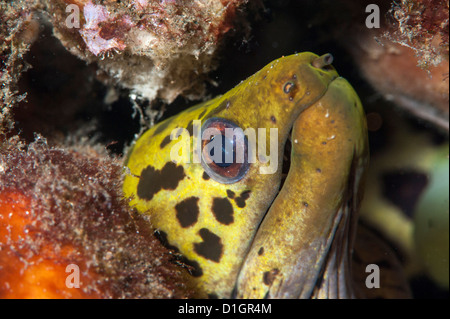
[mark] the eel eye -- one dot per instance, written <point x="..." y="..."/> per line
<point x="224" y="151"/>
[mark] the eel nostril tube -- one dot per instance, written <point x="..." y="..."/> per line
<point x="322" y="61"/>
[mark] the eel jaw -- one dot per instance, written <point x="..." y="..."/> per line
<point x="307" y="234"/>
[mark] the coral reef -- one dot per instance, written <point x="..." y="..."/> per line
<point x="422" y="25"/>
<point x="63" y="94"/>
<point x="61" y="207"/>
<point x="392" y="70"/>
<point x="155" y="48"/>
<point x="406" y="59"/>
<point x="17" y="31"/>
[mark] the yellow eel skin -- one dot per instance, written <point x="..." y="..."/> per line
<point x="245" y="237"/>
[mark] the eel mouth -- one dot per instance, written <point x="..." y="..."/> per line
<point x="286" y="160"/>
<point x="323" y="62"/>
<point x="317" y="261"/>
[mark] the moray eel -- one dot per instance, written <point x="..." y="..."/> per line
<point x="242" y="236"/>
